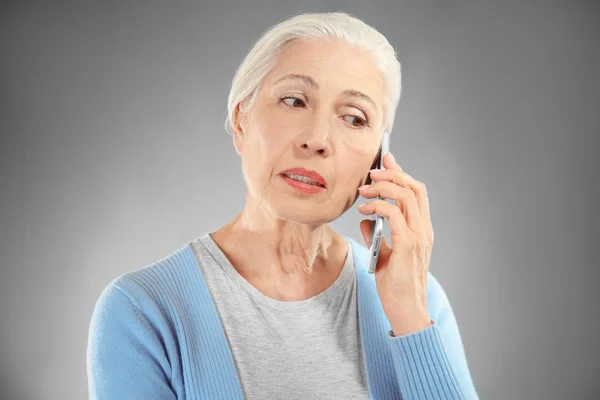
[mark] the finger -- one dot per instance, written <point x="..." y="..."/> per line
<point x="389" y="162"/>
<point x="396" y="219"/>
<point x="395" y="174"/>
<point x="365" y="230"/>
<point x="404" y="197"/>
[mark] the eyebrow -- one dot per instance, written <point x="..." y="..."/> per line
<point x="312" y="83"/>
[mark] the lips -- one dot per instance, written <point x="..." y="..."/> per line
<point x="312" y="175"/>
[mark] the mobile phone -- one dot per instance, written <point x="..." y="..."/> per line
<point x="377" y="223"/>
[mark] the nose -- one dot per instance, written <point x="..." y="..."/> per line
<point x="314" y="147"/>
<point x="316" y="137"/>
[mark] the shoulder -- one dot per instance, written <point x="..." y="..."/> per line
<point x="135" y="332"/>
<point x="151" y="289"/>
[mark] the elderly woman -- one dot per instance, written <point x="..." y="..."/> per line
<point x="275" y="304"/>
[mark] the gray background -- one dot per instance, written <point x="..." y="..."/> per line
<point x="113" y="154"/>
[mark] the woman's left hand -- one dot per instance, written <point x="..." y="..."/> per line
<point x="401" y="272"/>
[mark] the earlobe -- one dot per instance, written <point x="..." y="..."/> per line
<point x="238" y="141"/>
<point x="239" y="126"/>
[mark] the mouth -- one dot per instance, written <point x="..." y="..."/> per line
<point x="303" y="185"/>
<point x="308" y="177"/>
<point x="304" y="179"/>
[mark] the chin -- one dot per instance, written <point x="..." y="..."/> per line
<point x="308" y="213"/>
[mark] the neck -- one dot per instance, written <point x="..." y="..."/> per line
<point x="264" y="247"/>
<point x="280" y="248"/>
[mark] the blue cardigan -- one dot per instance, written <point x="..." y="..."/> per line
<point x="136" y="348"/>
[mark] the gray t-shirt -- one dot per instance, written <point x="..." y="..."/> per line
<point x="308" y="349"/>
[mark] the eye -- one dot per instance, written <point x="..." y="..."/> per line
<point x="362" y="122"/>
<point x="293" y="98"/>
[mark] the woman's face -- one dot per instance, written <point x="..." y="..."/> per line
<point x="329" y="121"/>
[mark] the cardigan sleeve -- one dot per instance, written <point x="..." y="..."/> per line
<point x="125" y="357"/>
<point x="431" y="364"/>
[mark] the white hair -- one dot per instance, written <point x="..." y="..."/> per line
<point x="334" y="25"/>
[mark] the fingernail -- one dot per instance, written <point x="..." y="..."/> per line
<point x="375" y="170"/>
<point x="363" y="187"/>
<point x="361" y="205"/>
<point x="392" y="157"/>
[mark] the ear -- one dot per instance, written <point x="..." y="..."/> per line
<point x="240" y="119"/>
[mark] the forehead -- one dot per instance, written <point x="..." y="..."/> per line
<point x="332" y="65"/>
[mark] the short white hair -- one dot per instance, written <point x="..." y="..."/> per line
<point x="334" y="25"/>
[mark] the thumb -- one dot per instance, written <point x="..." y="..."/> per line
<point x="365" y="230"/>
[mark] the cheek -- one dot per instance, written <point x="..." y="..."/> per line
<point x="267" y="149"/>
<point x="273" y="131"/>
<point x="274" y="139"/>
<point x="350" y="176"/>
<point x="356" y="164"/>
